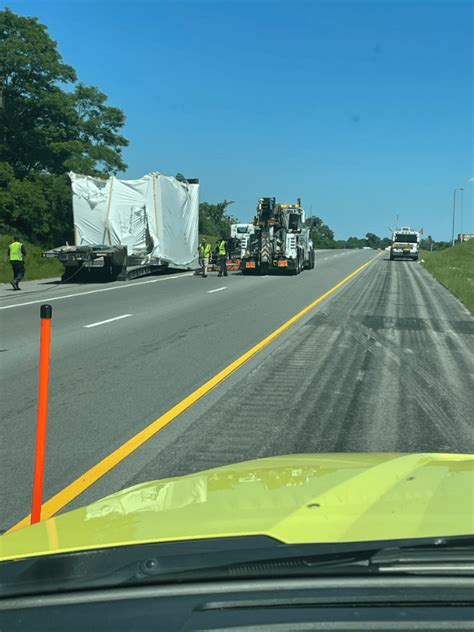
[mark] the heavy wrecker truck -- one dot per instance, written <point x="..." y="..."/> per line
<point x="281" y="239"/>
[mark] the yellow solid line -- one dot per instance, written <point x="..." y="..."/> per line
<point x="72" y="491"/>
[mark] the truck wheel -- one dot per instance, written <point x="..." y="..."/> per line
<point x="292" y="271"/>
<point x="313" y="260"/>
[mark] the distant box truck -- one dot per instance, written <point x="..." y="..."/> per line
<point x="130" y="228"/>
<point x="405" y="244"/>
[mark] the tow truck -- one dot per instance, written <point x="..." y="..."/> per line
<point x="280" y="241"/>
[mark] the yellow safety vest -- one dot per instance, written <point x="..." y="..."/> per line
<point x="205" y="250"/>
<point x="222" y="248"/>
<point x="15" y="251"/>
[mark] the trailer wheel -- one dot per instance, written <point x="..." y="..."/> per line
<point x="69" y="272"/>
<point x="115" y="271"/>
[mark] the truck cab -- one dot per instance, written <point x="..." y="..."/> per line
<point x="405" y="244"/>
<point x="240" y="234"/>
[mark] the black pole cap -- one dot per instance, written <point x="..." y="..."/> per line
<point x="46" y="311"/>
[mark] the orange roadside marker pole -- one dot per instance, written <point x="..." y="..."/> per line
<point x="46" y="312"/>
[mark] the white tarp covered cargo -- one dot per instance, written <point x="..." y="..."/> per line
<point x="156" y="217"/>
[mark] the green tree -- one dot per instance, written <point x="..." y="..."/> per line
<point x="321" y="235"/>
<point x="353" y="242"/>
<point x="372" y="240"/>
<point x="214" y="219"/>
<point x="49" y="124"/>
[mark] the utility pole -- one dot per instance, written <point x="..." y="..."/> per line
<point x="454" y="213"/>
<point x="462" y="206"/>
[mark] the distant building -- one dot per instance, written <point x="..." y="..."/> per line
<point x="465" y="237"/>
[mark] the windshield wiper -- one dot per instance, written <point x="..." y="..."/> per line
<point x="234" y="558"/>
<point x="446" y="561"/>
<point x="451" y="556"/>
<point x="441" y="556"/>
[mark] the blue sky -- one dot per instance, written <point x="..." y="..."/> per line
<point x="362" y="109"/>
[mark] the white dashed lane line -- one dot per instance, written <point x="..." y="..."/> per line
<point x="109" y="320"/>
<point x="219" y="289"/>
<point x="106" y="289"/>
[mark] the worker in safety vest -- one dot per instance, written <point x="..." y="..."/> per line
<point x="204" y="254"/>
<point x="17" y="253"/>
<point x="223" y="253"/>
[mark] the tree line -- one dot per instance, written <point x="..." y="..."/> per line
<point x="323" y="237"/>
<point x="430" y="244"/>
<point x="50" y="124"/>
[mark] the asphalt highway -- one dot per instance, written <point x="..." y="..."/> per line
<point x="382" y="364"/>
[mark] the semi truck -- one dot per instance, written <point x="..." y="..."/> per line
<point x="280" y="239"/>
<point x="125" y="229"/>
<point x="240" y="234"/>
<point x="405" y="244"/>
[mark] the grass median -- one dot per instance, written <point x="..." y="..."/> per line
<point x="454" y="268"/>
<point x="36" y="266"/>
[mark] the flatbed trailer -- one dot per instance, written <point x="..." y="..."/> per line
<point x="88" y="263"/>
<point x="125" y="229"/>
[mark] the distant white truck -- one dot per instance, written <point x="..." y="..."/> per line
<point x="405" y="244"/>
<point x="241" y="234"/>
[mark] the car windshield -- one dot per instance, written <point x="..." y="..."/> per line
<point x="406" y="238"/>
<point x="236" y="297"/>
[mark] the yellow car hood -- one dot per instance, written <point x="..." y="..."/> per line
<point x="295" y="499"/>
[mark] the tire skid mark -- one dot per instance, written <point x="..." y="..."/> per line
<point x="304" y="396"/>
